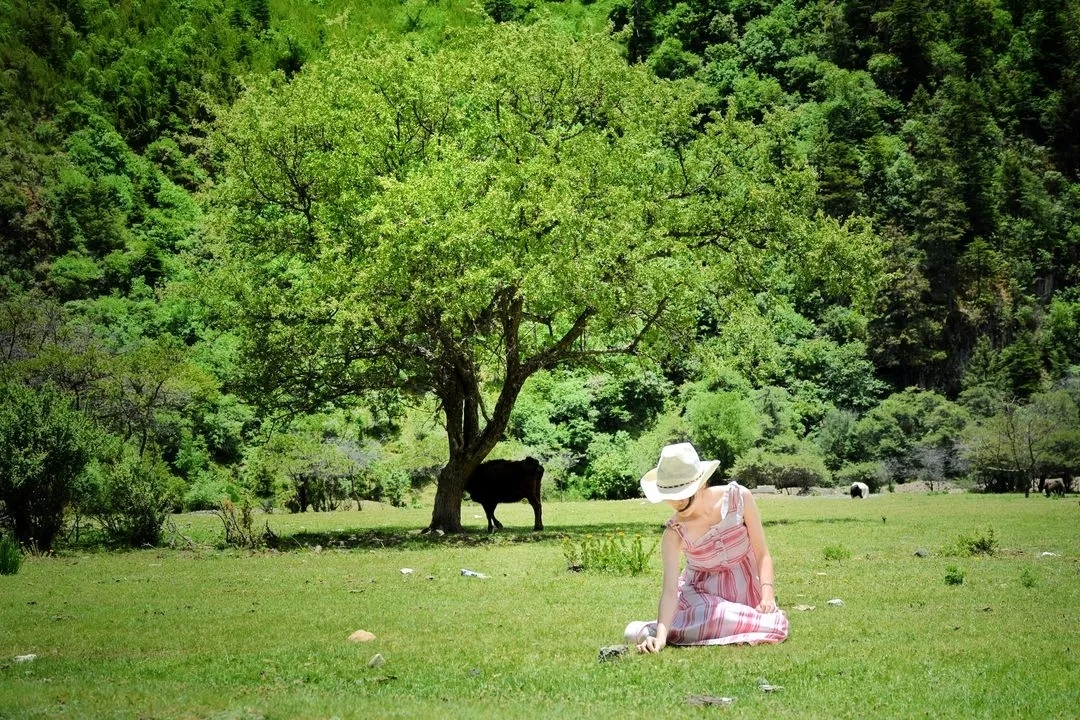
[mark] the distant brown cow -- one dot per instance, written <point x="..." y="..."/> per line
<point x="1054" y="486"/>
<point x="506" y="481"/>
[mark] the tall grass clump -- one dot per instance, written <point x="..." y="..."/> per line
<point x="971" y="544"/>
<point x="836" y="552"/>
<point x="954" y="575"/>
<point x="613" y="554"/>
<point x="10" y="556"/>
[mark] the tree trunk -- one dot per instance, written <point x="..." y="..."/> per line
<point x="446" y="515"/>
<point x="468" y="447"/>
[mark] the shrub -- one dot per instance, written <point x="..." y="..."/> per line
<point x="10" y="556"/>
<point x="609" y="476"/>
<point x="1027" y="578"/>
<point x="784" y="471"/>
<point x="387" y="484"/>
<point x="133" y="499"/>
<point x="836" y="552"/>
<point x="44" y="445"/>
<point x="239" y="530"/>
<point x="954" y="575"/>
<point x="209" y="489"/>
<point x="975" y="544"/>
<point x="723" y="425"/>
<point x="613" y="554"/>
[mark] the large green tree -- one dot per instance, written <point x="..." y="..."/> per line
<point x="453" y="222"/>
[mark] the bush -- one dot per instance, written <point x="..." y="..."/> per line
<point x="977" y="544"/>
<point x="723" y="425"/>
<point x="954" y="575"/>
<point x="609" y="476"/>
<point x="10" y="556"/>
<point x="969" y="544"/>
<point x="239" y="530"/>
<point x="44" y="445"/>
<point x="784" y="471"/>
<point x="133" y="500"/>
<point x="210" y="488"/>
<point x="387" y="484"/>
<point x="836" y="552"/>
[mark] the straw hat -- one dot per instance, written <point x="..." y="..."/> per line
<point x="678" y="475"/>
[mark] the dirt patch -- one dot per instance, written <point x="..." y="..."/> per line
<point x="918" y="486"/>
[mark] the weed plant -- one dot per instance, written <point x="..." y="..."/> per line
<point x="836" y="552"/>
<point x="954" y="575"/>
<point x="10" y="556"/>
<point x="239" y="530"/>
<point x="972" y="544"/>
<point x="612" y="553"/>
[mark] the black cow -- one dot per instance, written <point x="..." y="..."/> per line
<point x="506" y="481"/>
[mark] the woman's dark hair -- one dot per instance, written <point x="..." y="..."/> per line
<point x="689" y="502"/>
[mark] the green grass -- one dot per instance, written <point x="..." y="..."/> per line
<point x="212" y="633"/>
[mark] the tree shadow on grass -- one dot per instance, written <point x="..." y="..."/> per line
<point x="410" y="538"/>
<point x="826" y="521"/>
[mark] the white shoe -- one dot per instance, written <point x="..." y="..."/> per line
<point x="637" y="631"/>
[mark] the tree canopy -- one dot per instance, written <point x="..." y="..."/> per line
<point x="455" y="221"/>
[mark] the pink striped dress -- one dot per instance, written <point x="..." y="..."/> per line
<point x="719" y="587"/>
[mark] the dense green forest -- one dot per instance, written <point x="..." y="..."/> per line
<point x="307" y="254"/>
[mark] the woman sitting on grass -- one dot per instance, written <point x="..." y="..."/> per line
<point x="725" y="595"/>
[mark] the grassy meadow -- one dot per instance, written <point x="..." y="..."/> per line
<point x="196" y="631"/>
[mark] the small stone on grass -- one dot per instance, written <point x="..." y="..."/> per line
<point x="611" y="652"/>
<point x="709" y="700"/>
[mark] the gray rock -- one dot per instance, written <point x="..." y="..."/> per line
<point x="611" y="652"/>
<point x="709" y="700"/>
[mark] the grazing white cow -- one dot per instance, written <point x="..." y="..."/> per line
<point x="860" y="490"/>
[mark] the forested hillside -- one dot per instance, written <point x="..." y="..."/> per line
<point x="824" y="241"/>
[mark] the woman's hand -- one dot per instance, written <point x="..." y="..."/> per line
<point x="768" y="599"/>
<point x="767" y="606"/>
<point x="651" y="645"/>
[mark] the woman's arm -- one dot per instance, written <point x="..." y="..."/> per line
<point x="670" y="549"/>
<point x="752" y="518"/>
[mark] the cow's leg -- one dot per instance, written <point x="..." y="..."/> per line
<point x="493" y="523"/>
<point x="538" y="522"/>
